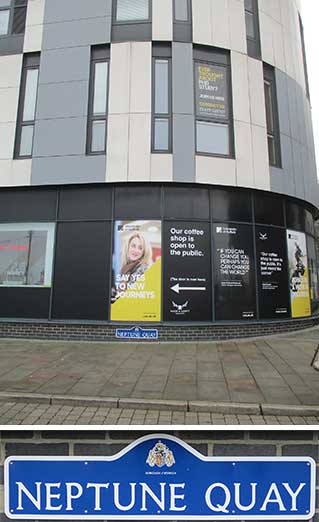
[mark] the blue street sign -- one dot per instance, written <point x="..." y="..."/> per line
<point x="160" y="477"/>
<point x="136" y="332"/>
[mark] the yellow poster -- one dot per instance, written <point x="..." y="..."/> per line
<point x="298" y="274"/>
<point x="136" y="275"/>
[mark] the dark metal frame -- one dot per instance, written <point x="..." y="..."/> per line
<point x="213" y="56"/>
<point x="162" y="52"/>
<point x="99" y="54"/>
<point x="30" y="61"/>
<point x="270" y="78"/>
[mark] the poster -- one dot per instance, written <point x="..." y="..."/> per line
<point x="272" y="273"/>
<point x="187" y="272"/>
<point x="298" y="274"/>
<point x="136" y="271"/>
<point x="235" y="287"/>
<point x="211" y="91"/>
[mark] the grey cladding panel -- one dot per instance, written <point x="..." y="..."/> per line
<point x="75" y="33"/>
<point x="183" y="148"/>
<point x="65" y="65"/>
<point x="11" y="44"/>
<point x="283" y="106"/>
<point x="183" y="113"/>
<point x="183" y="78"/>
<point x="62" y="100"/>
<point x="60" y="137"/>
<point x="62" y="10"/>
<point x="68" y="169"/>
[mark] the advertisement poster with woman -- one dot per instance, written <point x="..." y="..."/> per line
<point x="136" y="271"/>
<point x="298" y="274"/>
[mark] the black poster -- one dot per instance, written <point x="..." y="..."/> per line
<point x="272" y="273"/>
<point x="187" y="272"/>
<point x="235" y="288"/>
<point x="211" y="91"/>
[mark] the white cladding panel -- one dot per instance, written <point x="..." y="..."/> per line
<point x="34" y="26"/>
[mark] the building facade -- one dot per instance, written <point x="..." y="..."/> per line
<point x="157" y="167"/>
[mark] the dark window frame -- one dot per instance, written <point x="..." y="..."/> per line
<point x="270" y="81"/>
<point x="31" y="61"/>
<point x="304" y="57"/>
<point x="131" y="22"/>
<point x="220" y="59"/>
<point x="13" y="7"/>
<point x="253" y="44"/>
<point x="99" y="54"/>
<point x="162" y="52"/>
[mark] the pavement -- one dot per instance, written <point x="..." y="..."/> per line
<point x="166" y="383"/>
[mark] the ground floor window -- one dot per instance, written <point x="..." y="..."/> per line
<point x="26" y="253"/>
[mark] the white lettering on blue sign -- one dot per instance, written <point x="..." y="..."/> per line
<point x="136" y="333"/>
<point x="50" y="494"/>
<point x="154" y="478"/>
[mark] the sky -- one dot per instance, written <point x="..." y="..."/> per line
<point x="310" y="15"/>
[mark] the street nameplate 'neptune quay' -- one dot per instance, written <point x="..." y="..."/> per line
<point x="160" y="477"/>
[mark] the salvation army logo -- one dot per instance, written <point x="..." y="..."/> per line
<point x="160" y="456"/>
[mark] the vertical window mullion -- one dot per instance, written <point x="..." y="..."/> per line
<point x="98" y="100"/>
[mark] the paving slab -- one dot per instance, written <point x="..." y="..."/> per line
<point x="272" y="372"/>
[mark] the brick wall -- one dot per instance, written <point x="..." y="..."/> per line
<point x="106" y="443"/>
<point x="167" y="333"/>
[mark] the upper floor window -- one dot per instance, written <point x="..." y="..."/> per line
<point x="252" y="28"/>
<point x="213" y="104"/>
<point x="12" y="16"/>
<point x="132" y="10"/>
<point x="27" y="106"/>
<point x="162" y="99"/>
<point x="303" y="48"/>
<point x="98" y="100"/>
<point x="181" y="10"/>
<point x="272" y="119"/>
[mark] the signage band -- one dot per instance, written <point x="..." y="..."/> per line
<point x="160" y="477"/>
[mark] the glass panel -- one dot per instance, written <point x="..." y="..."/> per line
<point x="5" y="3"/>
<point x="272" y="150"/>
<point x="26" y="140"/>
<point x="131" y="10"/>
<point x="14" y="249"/>
<point x="269" y="107"/>
<point x="30" y="98"/>
<point x="161" y="86"/>
<point x="4" y="22"/>
<point x="250" y="26"/>
<point x="36" y="260"/>
<point x="249" y="4"/>
<point x="26" y="254"/>
<point x="181" y="10"/>
<point x="161" y="134"/>
<point x="100" y="88"/>
<point x="98" y="136"/>
<point x="212" y="138"/>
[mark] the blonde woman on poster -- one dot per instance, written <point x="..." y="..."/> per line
<point x="136" y="286"/>
<point x="136" y="257"/>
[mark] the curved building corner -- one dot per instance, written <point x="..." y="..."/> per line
<point x="158" y="173"/>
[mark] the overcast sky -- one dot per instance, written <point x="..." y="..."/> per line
<point x="310" y="15"/>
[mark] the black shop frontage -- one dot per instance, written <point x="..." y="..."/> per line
<point x="167" y="255"/>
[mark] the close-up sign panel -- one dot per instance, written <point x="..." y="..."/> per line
<point x="160" y="477"/>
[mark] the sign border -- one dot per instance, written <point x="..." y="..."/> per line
<point x="186" y="446"/>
